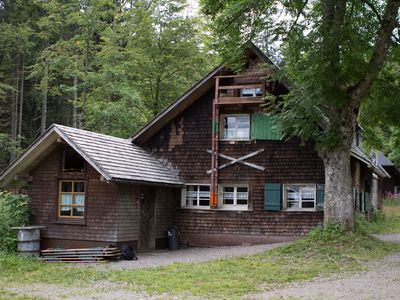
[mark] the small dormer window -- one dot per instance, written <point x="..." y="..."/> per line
<point x="253" y="92"/>
<point x="72" y="161"/>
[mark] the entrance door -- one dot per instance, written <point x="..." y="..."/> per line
<point x="147" y="219"/>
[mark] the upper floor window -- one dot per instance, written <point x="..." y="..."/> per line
<point x="72" y="161"/>
<point x="299" y="197"/>
<point x="253" y="92"/>
<point x="236" y="127"/>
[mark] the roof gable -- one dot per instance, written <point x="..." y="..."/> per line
<point x="114" y="158"/>
<point x="187" y="99"/>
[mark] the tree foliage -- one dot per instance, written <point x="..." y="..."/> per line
<point x="336" y="56"/>
<point x="14" y="212"/>
<point x="105" y="65"/>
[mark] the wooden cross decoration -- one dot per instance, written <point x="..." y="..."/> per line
<point x="239" y="160"/>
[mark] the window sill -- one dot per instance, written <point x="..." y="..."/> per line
<point x="300" y="210"/>
<point x="215" y="209"/>
<point x="81" y="222"/>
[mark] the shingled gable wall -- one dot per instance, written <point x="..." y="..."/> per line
<point x="112" y="210"/>
<point x="184" y="141"/>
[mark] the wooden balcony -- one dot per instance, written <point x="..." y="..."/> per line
<point x="239" y="100"/>
<point x="233" y="94"/>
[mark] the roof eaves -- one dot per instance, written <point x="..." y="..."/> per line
<point x="176" y="103"/>
<point x="16" y="162"/>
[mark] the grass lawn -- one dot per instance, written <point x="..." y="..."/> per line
<point x="386" y="223"/>
<point x="322" y="252"/>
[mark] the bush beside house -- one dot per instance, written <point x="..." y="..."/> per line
<point x="14" y="211"/>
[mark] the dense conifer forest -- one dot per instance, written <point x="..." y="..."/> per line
<point x="106" y="66"/>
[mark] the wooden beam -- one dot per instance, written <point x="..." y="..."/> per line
<point x="241" y="75"/>
<point x="239" y="160"/>
<point x="240" y="100"/>
<point x="19" y="177"/>
<point x="241" y="86"/>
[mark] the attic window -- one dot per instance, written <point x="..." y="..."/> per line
<point x="72" y="161"/>
<point x="254" y="92"/>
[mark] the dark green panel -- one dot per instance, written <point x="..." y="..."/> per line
<point x="263" y="127"/>
<point x="273" y="196"/>
<point x="320" y="197"/>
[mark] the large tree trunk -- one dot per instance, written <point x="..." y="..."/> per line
<point x="339" y="204"/>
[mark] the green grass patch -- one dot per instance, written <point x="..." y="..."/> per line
<point x="385" y="222"/>
<point x="321" y="252"/>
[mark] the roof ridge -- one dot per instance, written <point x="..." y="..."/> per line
<point x="91" y="132"/>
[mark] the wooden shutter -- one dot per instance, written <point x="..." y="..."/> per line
<point x="320" y="197"/>
<point x="263" y="127"/>
<point x="273" y="196"/>
<point x="366" y="201"/>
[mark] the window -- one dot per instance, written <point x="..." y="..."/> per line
<point x="235" y="196"/>
<point x="254" y="92"/>
<point x="71" y="199"/>
<point x="300" y="197"/>
<point x="197" y="196"/>
<point x="72" y="161"/>
<point x="397" y="189"/>
<point x="236" y="127"/>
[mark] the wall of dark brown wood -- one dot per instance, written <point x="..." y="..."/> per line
<point x="112" y="210"/>
<point x="99" y="223"/>
<point x="184" y="141"/>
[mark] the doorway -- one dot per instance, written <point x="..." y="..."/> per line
<point x="147" y="221"/>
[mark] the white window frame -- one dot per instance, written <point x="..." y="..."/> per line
<point x="254" y="92"/>
<point x="233" y="206"/>
<point x="285" y="197"/>
<point x="397" y="189"/>
<point x="184" y="194"/>
<point x="222" y="128"/>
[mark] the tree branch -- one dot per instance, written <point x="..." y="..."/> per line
<point x="378" y="16"/>
<point x="299" y="13"/>
<point x="379" y="53"/>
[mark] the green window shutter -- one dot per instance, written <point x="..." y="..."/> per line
<point x="273" y="196"/>
<point x="362" y="202"/>
<point x="366" y="201"/>
<point x="264" y="127"/>
<point x="320" y="197"/>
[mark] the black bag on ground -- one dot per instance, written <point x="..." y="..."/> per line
<point x="128" y="253"/>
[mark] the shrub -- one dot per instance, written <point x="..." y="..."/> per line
<point x="14" y="212"/>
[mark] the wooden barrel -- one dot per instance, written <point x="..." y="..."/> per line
<point x="29" y="240"/>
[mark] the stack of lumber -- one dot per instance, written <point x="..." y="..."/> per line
<point x="80" y="255"/>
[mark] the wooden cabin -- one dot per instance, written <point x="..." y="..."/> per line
<point x="213" y="163"/>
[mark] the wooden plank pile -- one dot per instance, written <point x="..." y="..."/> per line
<point x="83" y="255"/>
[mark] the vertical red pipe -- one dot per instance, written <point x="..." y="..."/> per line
<point x="214" y="148"/>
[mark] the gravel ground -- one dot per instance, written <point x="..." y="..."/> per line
<point x="394" y="238"/>
<point x="191" y="254"/>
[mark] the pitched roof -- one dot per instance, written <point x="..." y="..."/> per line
<point x="116" y="159"/>
<point x="188" y="98"/>
<point x="382" y="160"/>
<point x="359" y="154"/>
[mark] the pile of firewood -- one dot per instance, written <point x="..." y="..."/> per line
<point x="83" y="255"/>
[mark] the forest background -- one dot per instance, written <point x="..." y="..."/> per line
<point x="110" y="65"/>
